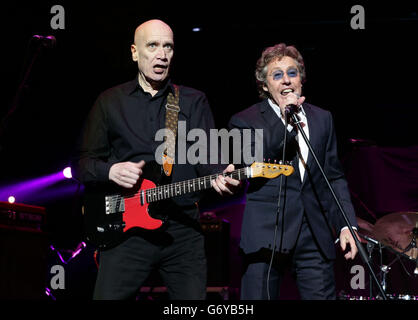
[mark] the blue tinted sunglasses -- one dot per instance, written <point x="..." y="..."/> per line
<point x="278" y="74"/>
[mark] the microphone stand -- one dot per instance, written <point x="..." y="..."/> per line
<point x="370" y="247"/>
<point x="361" y="250"/>
<point x="39" y="45"/>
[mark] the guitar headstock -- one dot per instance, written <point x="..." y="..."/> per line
<point x="270" y="170"/>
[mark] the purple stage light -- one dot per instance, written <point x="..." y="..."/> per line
<point x="58" y="254"/>
<point x="23" y="189"/>
<point x="11" y="199"/>
<point x="67" y="173"/>
<point x="80" y="247"/>
<point x="49" y="294"/>
<point x="74" y="253"/>
<point x="31" y="190"/>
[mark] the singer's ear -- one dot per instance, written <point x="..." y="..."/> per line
<point x="265" y="88"/>
<point x="134" y="53"/>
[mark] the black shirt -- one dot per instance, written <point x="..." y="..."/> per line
<point x="122" y="125"/>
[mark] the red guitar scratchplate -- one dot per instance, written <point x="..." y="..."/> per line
<point x="136" y="215"/>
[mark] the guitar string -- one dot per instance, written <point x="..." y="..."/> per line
<point x="154" y="193"/>
<point x="161" y="190"/>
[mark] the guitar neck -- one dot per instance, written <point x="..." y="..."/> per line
<point x="198" y="184"/>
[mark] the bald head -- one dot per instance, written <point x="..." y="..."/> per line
<point x="153" y="50"/>
<point x="151" y="27"/>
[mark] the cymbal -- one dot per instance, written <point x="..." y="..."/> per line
<point x="365" y="229"/>
<point x="396" y="230"/>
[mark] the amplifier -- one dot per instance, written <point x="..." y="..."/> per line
<point x="22" y="217"/>
<point x="217" y="246"/>
<point x="23" y="251"/>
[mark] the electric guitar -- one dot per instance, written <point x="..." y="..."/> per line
<point x="112" y="212"/>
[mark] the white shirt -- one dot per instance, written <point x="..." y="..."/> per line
<point x="304" y="150"/>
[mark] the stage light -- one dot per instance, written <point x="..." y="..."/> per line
<point x="196" y="29"/>
<point x="67" y="173"/>
<point x="39" y="188"/>
<point x="11" y="199"/>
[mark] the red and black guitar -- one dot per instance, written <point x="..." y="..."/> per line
<point x="111" y="213"/>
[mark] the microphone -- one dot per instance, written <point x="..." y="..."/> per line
<point x="291" y="109"/>
<point x="370" y="239"/>
<point x="46" y="41"/>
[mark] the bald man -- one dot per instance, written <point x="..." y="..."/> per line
<point x="118" y="141"/>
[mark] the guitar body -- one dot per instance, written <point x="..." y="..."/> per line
<point x="113" y="213"/>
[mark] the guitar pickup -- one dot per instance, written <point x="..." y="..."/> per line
<point x="114" y="204"/>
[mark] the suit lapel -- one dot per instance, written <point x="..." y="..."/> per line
<point x="269" y="115"/>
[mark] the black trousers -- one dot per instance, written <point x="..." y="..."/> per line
<point x="313" y="272"/>
<point x="178" y="255"/>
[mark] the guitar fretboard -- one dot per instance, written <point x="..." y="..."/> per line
<point x="115" y="203"/>
<point x="179" y="188"/>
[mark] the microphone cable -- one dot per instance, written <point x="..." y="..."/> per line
<point x="278" y="209"/>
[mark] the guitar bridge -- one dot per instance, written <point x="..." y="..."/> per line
<point x="114" y="204"/>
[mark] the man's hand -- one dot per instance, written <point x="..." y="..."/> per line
<point x="225" y="185"/>
<point x="126" y="174"/>
<point x="347" y="237"/>
<point x="290" y="98"/>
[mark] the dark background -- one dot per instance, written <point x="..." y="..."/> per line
<point x="366" y="78"/>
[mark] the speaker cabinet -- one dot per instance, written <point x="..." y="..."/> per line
<point x="217" y="235"/>
<point x="23" y="251"/>
<point x="23" y="262"/>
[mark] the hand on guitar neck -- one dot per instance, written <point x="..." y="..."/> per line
<point x="226" y="185"/>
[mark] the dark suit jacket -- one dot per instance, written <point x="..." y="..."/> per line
<point x="311" y="196"/>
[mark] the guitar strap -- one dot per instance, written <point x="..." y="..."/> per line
<point x="171" y="122"/>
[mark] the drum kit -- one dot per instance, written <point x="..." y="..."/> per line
<point x="398" y="233"/>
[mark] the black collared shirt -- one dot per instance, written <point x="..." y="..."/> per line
<point x="122" y="126"/>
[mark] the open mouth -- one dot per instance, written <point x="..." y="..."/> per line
<point x="286" y="91"/>
<point x="159" y="68"/>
